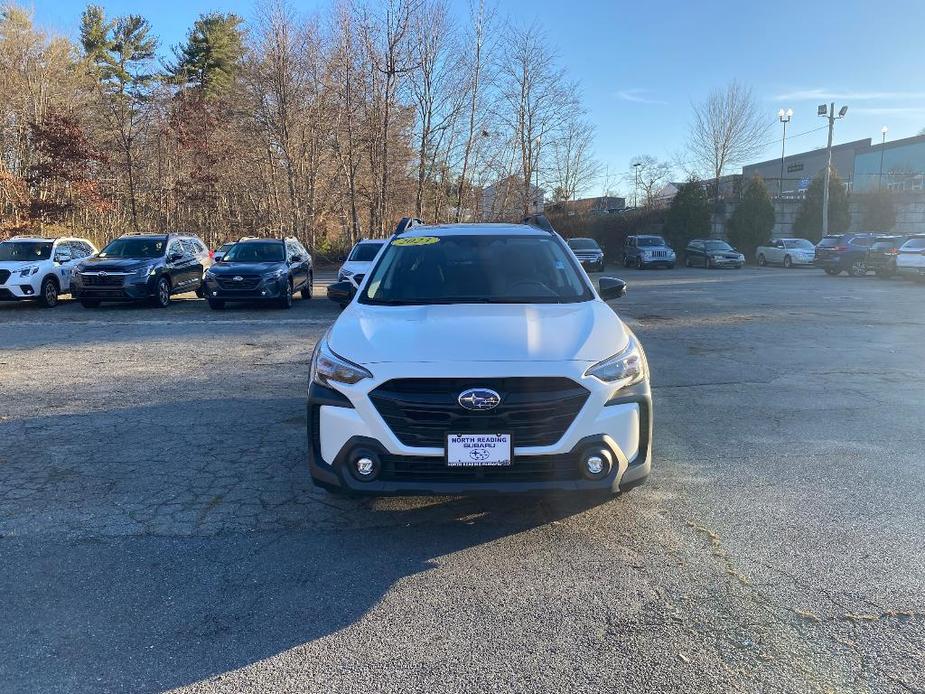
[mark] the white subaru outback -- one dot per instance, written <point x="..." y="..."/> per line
<point x="32" y="267"/>
<point x="478" y="358"/>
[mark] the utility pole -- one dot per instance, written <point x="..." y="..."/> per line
<point x="828" y="112"/>
<point x="784" y="117"/>
<point x="636" y="188"/>
<point x="883" y="132"/>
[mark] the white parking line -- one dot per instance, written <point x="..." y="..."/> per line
<point x="236" y="321"/>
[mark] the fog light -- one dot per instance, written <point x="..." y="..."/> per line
<point x="364" y="464"/>
<point x="596" y="463"/>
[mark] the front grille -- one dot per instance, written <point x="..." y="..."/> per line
<point x="246" y="282"/>
<point x="102" y="280"/>
<point x="658" y="254"/>
<point x="4" y="276"/>
<point x="535" y="411"/>
<point x="552" y="468"/>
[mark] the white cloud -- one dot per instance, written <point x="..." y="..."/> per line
<point x="823" y="94"/>
<point x="638" y="96"/>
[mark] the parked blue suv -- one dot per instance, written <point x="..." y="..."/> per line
<point x="839" y="253"/>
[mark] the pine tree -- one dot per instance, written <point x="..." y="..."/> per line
<point x="210" y="58"/>
<point x="689" y="215"/>
<point x="752" y="221"/>
<point x="808" y="222"/>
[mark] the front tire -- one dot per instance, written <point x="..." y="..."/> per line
<point x="788" y="262"/>
<point x="762" y="261"/>
<point x="306" y="292"/>
<point x="285" y="301"/>
<point x="48" y="294"/>
<point x="162" y="293"/>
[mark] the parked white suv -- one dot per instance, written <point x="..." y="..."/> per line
<point x="910" y="261"/>
<point x="359" y="260"/>
<point x="32" y="267"/>
<point x="479" y="358"/>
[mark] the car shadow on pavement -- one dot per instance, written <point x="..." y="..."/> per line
<point x="92" y="606"/>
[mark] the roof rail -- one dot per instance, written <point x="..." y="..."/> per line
<point x="540" y="222"/>
<point x="406" y="223"/>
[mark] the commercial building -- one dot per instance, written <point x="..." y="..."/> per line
<point x="800" y="169"/>
<point x="897" y="166"/>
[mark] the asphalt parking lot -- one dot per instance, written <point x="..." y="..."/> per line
<point x="158" y="528"/>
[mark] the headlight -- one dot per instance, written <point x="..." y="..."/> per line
<point x="28" y="270"/>
<point x="276" y="274"/>
<point x="146" y="271"/>
<point x="327" y="367"/>
<point x="344" y="274"/>
<point x="624" y="368"/>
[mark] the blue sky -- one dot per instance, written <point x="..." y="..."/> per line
<point x="641" y="64"/>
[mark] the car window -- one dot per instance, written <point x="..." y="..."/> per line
<point x="257" y="252"/>
<point x="695" y="245"/>
<point x="77" y="250"/>
<point x="476" y="269"/>
<point x="829" y="241"/>
<point x="863" y="241"/>
<point x="190" y="247"/>
<point x="650" y="241"/>
<point x="366" y="251"/>
<point x="914" y="244"/>
<point x="717" y="246"/>
<point x="175" y="247"/>
<point x="798" y="243"/>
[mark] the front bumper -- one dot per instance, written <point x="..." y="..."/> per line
<point x="728" y="262"/>
<point x="130" y="290"/>
<point x="652" y="262"/>
<point x="340" y="423"/>
<point x="593" y="264"/>
<point x="266" y="290"/>
<point x="914" y="271"/>
<point x="18" y="288"/>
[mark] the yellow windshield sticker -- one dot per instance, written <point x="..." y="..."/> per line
<point x="415" y="241"/>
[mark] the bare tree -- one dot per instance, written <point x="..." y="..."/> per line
<point x="651" y="175"/>
<point x="573" y="164"/>
<point x="727" y="129"/>
<point x="535" y="100"/>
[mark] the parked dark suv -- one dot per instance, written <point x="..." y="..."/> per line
<point x="589" y="254"/>
<point x="260" y="270"/>
<point x="839" y="253"/>
<point x="647" y="251"/>
<point x="142" y="267"/>
<point x="881" y="258"/>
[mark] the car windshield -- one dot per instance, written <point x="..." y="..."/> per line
<point x="256" y="252"/>
<point x="366" y="251"/>
<point x="717" y="246"/>
<point x="885" y="244"/>
<point x="513" y="269"/>
<point x="224" y="247"/>
<point x="799" y="243"/>
<point x="145" y="247"/>
<point x="644" y="241"/>
<point x="914" y="244"/>
<point x="583" y="245"/>
<point x="829" y="242"/>
<point x="25" y="250"/>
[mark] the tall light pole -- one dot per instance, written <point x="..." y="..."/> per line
<point x="636" y="188"/>
<point x="828" y="112"/>
<point x="784" y="117"/>
<point x="536" y="176"/>
<point x="883" y="132"/>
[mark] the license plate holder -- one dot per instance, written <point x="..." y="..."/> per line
<point x="479" y="450"/>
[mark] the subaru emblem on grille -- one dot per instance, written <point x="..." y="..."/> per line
<point x="237" y="278"/>
<point x="479" y="399"/>
<point x="102" y="274"/>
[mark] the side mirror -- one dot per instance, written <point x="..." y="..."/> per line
<point x="341" y="292"/>
<point x="63" y="256"/>
<point x="611" y="288"/>
<point x="297" y="259"/>
<point x="174" y="257"/>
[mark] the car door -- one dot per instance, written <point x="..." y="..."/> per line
<point x="775" y="252"/>
<point x="195" y="267"/>
<point x="79" y="251"/>
<point x="696" y="253"/>
<point x="296" y="265"/>
<point x="62" y="264"/>
<point x="177" y="264"/>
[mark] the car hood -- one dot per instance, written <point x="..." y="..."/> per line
<point x="355" y="266"/>
<point x="13" y="265"/>
<point x="587" y="332"/>
<point x="116" y="264"/>
<point x="222" y="268"/>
